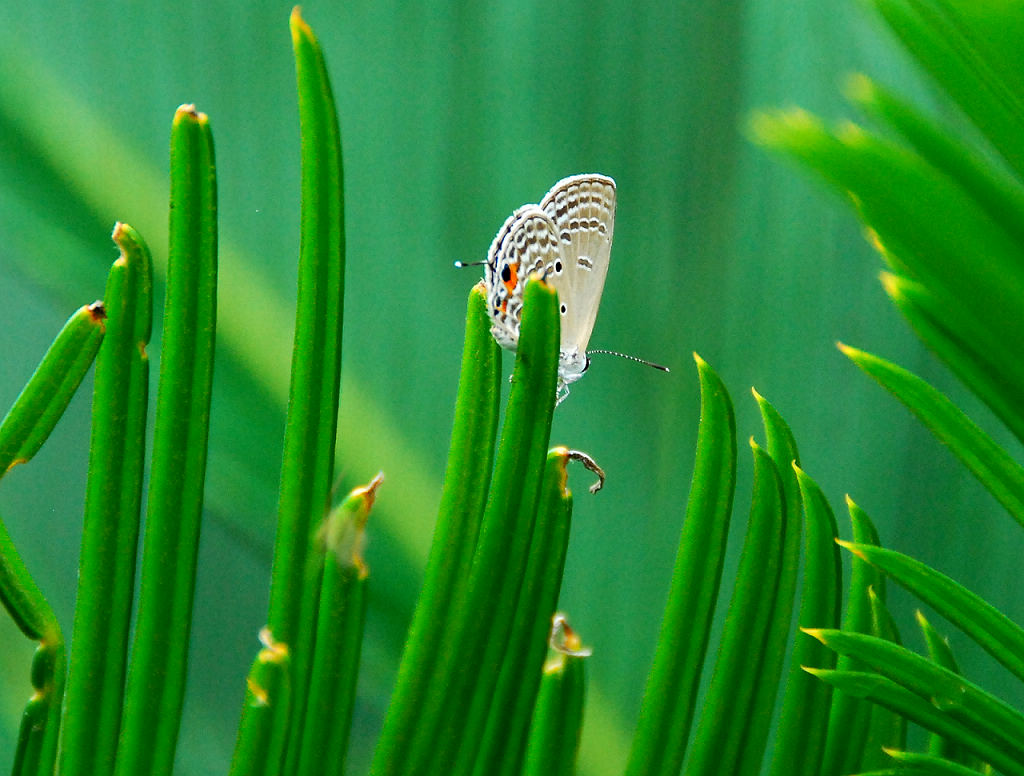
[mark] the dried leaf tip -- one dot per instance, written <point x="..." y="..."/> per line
<point x="369" y="491"/>
<point x="300" y="29"/>
<point x="273" y="651"/>
<point x="97" y="311"/>
<point x="564" y="639"/>
<point x="591" y="465"/>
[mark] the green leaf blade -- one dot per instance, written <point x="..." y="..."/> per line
<point x="156" y="674"/>
<point x="659" y="744"/>
<point x="106" y="579"/>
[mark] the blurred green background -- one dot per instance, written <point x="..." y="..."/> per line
<point x="452" y="116"/>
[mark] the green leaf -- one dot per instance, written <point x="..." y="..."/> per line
<point x="156" y="674"/>
<point x="850" y="718"/>
<point x="339" y="632"/>
<point x="471" y="653"/>
<point x="729" y="703"/>
<point x="510" y="706"/>
<point x="915" y="763"/>
<point x="466" y="482"/>
<point x="987" y="626"/>
<point x="932" y="228"/>
<point x="307" y="466"/>
<point x="887" y="729"/>
<point x="995" y="469"/>
<point x="659" y="744"/>
<point x="982" y="362"/>
<point x="558" y="717"/>
<point x="972" y="51"/>
<point x="782" y="447"/>
<point x="889" y="694"/>
<point x="36" y="751"/>
<point x="941" y="653"/>
<point x="267" y="694"/>
<point x="950" y="693"/>
<point x="993" y="188"/>
<point x="46" y="395"/>
<point x="106" y="578"/>
<point x="803" y="720"/>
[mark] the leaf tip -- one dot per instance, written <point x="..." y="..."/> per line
<point x="815" y="633"/>
<point x="97" y="311"/>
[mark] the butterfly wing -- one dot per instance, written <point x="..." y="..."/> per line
<point x="582" y="208"/>
<point x="527" y="242"/>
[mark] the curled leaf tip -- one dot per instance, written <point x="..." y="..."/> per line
<point x="849" y="501"/>
<point x="757" y="396"/>
<point x="188" y="110"/>
<point x="591" y="465"/>
<point x="700" y="361"/>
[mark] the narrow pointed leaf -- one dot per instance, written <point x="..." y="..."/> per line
<point x="728" y="707"/>
<point x="43" y="400"/>
<point x="467" y="477"/>
<point x="781" y="445"/>
<point x="106" y="579"/>
<point x="971" y="51"/>
<point x="850" y="718"/>
<point x="307" y="467"/>
<point x="803" y="720"/>
<point x="659" y="744"/>
<point x="983" y="362"/>
<point x="473" y="648"/>
<point x="888" y="693"/>
<point x="1002" y="476"/>
<point x="991" y="629"/>
<point x="159" y="659"/>
<point x="950" y="693"/>
<point x="558" y="717"/>
<point x="339" y="633"/>
<point x="510" y="706"/>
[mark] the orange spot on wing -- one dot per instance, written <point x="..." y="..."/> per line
<point x="513" y="279"/>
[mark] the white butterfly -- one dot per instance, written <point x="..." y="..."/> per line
<point x="568" y="237"/>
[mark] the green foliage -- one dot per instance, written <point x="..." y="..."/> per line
<point x="474" y="695"/>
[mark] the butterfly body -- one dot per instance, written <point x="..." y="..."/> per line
<point x="568" y="238"/>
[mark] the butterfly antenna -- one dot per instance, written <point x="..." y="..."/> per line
<point x="461" y="264"/>
<point x="631" y="358"/>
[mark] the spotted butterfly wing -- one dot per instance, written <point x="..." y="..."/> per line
<point x="582" y="208"/>
<point x="526" y="243"/>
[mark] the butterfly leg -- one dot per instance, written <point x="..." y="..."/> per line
<point x="562" y="393"/>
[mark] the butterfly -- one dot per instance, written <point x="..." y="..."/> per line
<point x="568" y="238"/>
